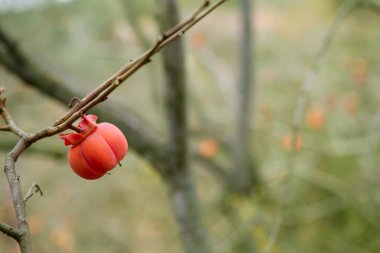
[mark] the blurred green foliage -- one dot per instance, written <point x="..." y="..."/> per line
<point x="335" y="190"/>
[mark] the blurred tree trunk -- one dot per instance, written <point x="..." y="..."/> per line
<point x="178" y="177"/>
<point x="244" y="175"/>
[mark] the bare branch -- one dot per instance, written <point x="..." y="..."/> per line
<point x="34" y="188"/>
<point x="33" y="75"/>
<point x="130" y="68"/>
<point x="10" y="231"/>
<point x="73" y="101"/>
<point x="17" y="197"/>
<point x="10" y="124"/>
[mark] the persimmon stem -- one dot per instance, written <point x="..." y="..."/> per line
<point x="76" y="129"/>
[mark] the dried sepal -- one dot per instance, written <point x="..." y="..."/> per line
<point x="87" y="125"/>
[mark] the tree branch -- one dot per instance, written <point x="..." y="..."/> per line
<point x="10" y="231"/>
<point x="34" y="188"/>
<point x="17" y="62"/>
<point x="10" y="124"/>
<point x="21" y="234"/>
<point x="17" y="196"/>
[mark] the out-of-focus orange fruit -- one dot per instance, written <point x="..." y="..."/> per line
<point x="315" y="118"/>
<point x="208" y="148"/>
<point x="198" y="39"/>
<point x="287" y="142"/>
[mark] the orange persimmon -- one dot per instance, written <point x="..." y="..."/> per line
<point x="97" y="149"/>
<point x="208" y="148"/>
<point x="315" y="118"/>
<point x="287" y="142"/>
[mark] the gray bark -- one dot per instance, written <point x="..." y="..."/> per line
<point x="179" y="181"/>
<point x="243" y="171"/>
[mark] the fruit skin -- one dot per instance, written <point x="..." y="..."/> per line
<point x="97" y="149"/>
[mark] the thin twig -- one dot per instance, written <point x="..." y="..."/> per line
<point x="126" y="71"/>
<point x="103" y="90"/>
<point x="191" y="24"/>
<point x="10" y="124"/>
<point x="73" y="101"/>
<point x="190" y="19"/>
<point x="167" y="37"/>
<point x="308" y="83"/>
<point x="130" y="68"/>
<point x="34" y="188"/>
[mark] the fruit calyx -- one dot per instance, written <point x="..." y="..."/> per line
<point x="87" y="125"/>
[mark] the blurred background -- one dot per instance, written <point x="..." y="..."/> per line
<point x="333" y="190"/>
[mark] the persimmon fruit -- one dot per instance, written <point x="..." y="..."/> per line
<point x="315" y="118"/>
<point x="287" y="142"/>
<point x="208" y="148"/>
<point x="96" y="149"/>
